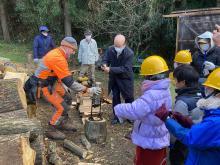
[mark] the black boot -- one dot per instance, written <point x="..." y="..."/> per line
<point x="66" y="125"/>
<point x="55" y="134"/>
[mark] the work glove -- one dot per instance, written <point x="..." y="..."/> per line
<point x="162" y="113"/>
<point x="95" y="90"/>
<point x="209" y="65"/>
<point x="36" y="60"/>
<point x="185" y="121"/>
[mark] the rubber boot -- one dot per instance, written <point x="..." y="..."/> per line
<point x="66" y="125"/>
<point x="55" y="134"/>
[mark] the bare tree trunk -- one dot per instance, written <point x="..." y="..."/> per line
<point x="218" y="3"/>
<point x="67" y="21"/>
<point x="4" y="24"/>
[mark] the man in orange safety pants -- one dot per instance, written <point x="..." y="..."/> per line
<point x="52" y="71"/>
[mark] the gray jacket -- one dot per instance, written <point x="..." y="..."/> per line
<point x="88" y="52"/>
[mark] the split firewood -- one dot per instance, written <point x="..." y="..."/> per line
<point x="75" y="149"/>
<point x="53" y="157"/>
<point x="85" y="142"/>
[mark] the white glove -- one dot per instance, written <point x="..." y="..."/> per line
<point x="209" y="65"/>
<point x="36" y="60"/>
<point x="95" y="90"/>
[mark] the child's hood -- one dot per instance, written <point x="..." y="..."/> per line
<point x="156" y="85"/>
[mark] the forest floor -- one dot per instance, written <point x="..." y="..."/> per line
<point x="117" y="150"/>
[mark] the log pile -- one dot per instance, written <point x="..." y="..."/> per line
<point x="21" y="138"/>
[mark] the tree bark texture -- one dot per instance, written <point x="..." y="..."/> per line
<point x="96" y="131"/>
<point x="67" y="21"/>
<point x="12" y="95"/>
<point x="75" y="149"/>
<point x="4" y="23"/>
<point x="22" y="113"/>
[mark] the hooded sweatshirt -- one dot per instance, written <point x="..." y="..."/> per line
<point x="202" y="139"/>
<point x="149" y="132"/>
<point x="212" y="54"/>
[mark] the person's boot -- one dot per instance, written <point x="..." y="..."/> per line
<point x="55" y="134"/>
<point x="66" y="125"/>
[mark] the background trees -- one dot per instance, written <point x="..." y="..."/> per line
<point x="140" y="20"/>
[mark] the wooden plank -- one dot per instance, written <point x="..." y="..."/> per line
<point x="193" y="14"/>
<point x="195" y="10"/>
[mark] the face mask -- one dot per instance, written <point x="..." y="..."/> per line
<point x="88" y="38"/>
<point x="204" y="47"/>
<point x="175" y="65"/>
<point x="208" y="92"/>
<point x="45" y="34"/>
<point x="119" y="50"/>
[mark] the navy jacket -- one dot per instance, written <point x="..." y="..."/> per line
<point x="203" y="139"/>
<point x="42" y="45"/>
<point x="121" y="72"/>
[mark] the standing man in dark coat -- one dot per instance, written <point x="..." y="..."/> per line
<point x="117" y="62"/>
<point x="43" y="43"/>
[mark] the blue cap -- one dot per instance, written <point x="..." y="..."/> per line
<point x="43" y="28"/>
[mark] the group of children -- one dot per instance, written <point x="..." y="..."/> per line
<point x="192" y="124"/>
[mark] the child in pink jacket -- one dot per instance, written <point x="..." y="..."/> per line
<point x="150" y="135"/>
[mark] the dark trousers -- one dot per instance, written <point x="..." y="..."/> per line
<point x="117" y="92"/>
<point x="178" y="153"/>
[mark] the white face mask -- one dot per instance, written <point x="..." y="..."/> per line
<point x="175" y="65"/>
<point x="204" y="47"/>
<point x="88" y="38"/>
<point x="119" y="50"/>
<point x="208" y="92"/>
<point x="45" y="34"/>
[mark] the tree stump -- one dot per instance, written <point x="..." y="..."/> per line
<point x="12" y="95"/>
<point x="96" y="130"/>
<point x="15" y="149"/>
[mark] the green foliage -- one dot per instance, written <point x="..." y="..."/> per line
<point x="14" y="51"/>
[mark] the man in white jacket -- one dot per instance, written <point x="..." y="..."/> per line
<point x="88" y="55"/>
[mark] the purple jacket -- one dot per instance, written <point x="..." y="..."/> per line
<point x="149" y="132"/>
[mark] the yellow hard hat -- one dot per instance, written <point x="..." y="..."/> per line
<point x="183" y="57"/>
<point x="213" y="79"/>
<point x="153" y="65"/>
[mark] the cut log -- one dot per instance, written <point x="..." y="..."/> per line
<point x="53" y="157"/>
<point x="12" y="75"/>
<point x="81" y="163"/>
<point x="75" y="149"/>
<point x="96" y="130"/>
<point x="12" y="95"/>
<point x="14" y="114"/>
<point x="18" y="126"/>
<point x="85" y="142"/>
<point x="38" y="145"/>
<point x="15" y="150"/>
